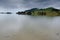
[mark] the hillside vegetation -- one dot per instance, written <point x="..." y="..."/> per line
<point x="50" y="11"/>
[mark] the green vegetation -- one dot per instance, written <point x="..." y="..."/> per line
<point x="50" y="11"/>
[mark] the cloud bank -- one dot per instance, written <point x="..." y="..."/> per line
<point x="20" y="5"/>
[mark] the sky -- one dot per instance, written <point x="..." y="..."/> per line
<point x="21" y="5"/>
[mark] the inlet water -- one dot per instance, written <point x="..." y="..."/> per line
<point x="23" y="27"/>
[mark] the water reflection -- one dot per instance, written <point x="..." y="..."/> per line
<point x="23" y="27"/>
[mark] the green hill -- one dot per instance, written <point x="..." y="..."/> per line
<point x="50" y="11"/>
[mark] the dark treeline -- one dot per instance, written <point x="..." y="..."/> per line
<point x="8" y="13"/>
<point x="5" y="12"/>
<point x="50" y="11"/>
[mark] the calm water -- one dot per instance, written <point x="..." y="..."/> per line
<point x="20" y="27"/>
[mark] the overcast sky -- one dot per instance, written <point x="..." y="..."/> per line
<point x="21" y="5"/>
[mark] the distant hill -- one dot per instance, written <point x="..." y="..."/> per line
<point x="5" y="13"/>
<point x="50" y="11"/>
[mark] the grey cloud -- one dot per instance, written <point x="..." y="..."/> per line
<point x="10" y="3"/>
<point x="40" y="3"/>
<point x="23" y="4"/>
<point x="35" y="0"/>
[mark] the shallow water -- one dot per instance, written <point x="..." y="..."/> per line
<point x="23" y="27"/>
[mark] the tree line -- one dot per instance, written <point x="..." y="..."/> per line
<point x="50" y="11"/>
